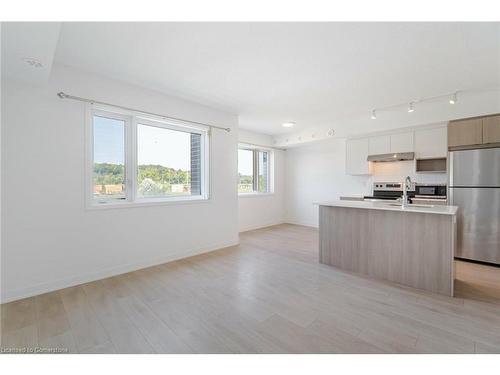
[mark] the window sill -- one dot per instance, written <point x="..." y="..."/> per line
<point x="254" y="195"/>
<point x="147" y="203"/>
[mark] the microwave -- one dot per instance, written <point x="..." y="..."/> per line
<point x="431" y="191"/>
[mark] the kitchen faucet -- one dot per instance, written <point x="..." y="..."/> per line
<point x="406" y="186"/>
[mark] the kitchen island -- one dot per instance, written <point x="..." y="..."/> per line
<point x="412" y="245"/>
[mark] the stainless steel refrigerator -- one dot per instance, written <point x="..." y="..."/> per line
<point x="475" y="189"/>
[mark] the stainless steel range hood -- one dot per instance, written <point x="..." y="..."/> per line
<point x="398" y="156"/>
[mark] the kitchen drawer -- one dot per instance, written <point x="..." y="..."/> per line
<point x="429" y="201"/>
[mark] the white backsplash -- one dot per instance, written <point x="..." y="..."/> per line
<point x="397" y="171"/>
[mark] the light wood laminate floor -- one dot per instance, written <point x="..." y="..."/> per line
<point x="267" y="295"/>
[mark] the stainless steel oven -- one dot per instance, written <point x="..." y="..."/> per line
<point x="388" y="191"/>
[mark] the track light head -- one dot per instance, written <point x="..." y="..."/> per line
<point x="453" y="98"/>
<point x="374" y="115"/>
<point x="411" y="107"/>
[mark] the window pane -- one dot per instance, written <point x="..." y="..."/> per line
<point x="263" y="171"/>
<point x="195" y="164"/>
<point x="109" y="158"/>
<point x="169" y="162"/>
<point x="245" y="171"/>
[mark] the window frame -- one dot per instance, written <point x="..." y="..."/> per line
<point x="270" y="170"/>
<point x="131" y="122"/>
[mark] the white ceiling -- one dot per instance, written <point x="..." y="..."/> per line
<point x="311" y="73"/>
<point x="27" y="40"/>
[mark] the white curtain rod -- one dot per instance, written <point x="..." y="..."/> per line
<point x="62" y="95"/>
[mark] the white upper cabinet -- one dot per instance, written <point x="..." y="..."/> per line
<point x="384" y="144"/>
<point x="379" y="145"/>
<point x="426" y="143"/>
<point x="402" y="142"/>
<point x="431" y="143"/>
<point x="356" y="154"/>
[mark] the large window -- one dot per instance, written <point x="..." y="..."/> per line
<point x="253" y="171"/>
<point x="139" y="160"/>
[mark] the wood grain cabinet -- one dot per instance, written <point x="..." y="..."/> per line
<point x="491" y="129"/>
<point x="467" y="132"/>
<point x="477" y="132"/>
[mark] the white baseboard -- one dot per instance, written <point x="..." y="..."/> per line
<point x="30" y="291"/>
<point x="303" y="223"/>
<point x="259" y="226"/>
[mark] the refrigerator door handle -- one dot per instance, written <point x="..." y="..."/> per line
<point x="450" y="174"/>
<point x="450" y="168"/>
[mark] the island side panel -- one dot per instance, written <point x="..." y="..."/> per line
<point x="427" y="247"/>
<point x="341" y="251"/>
<point x="414" y="249"/>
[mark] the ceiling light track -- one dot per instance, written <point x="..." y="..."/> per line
<point x="452" y="99"/>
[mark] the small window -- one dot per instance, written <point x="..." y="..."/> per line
<point x="253" y="171"/>
<point x="108" y="159"/>
<point x="139" y="160"/>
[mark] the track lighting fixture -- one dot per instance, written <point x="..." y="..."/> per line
<point x="453" y="98"/>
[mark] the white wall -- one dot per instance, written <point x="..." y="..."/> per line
<point x="50" y="240"/>
<point x="256" y="211"/>
<point x="316" y="172"/>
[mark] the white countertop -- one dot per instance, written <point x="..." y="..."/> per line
<point x="386" y="206"/>
<point x="352" y="197"/>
